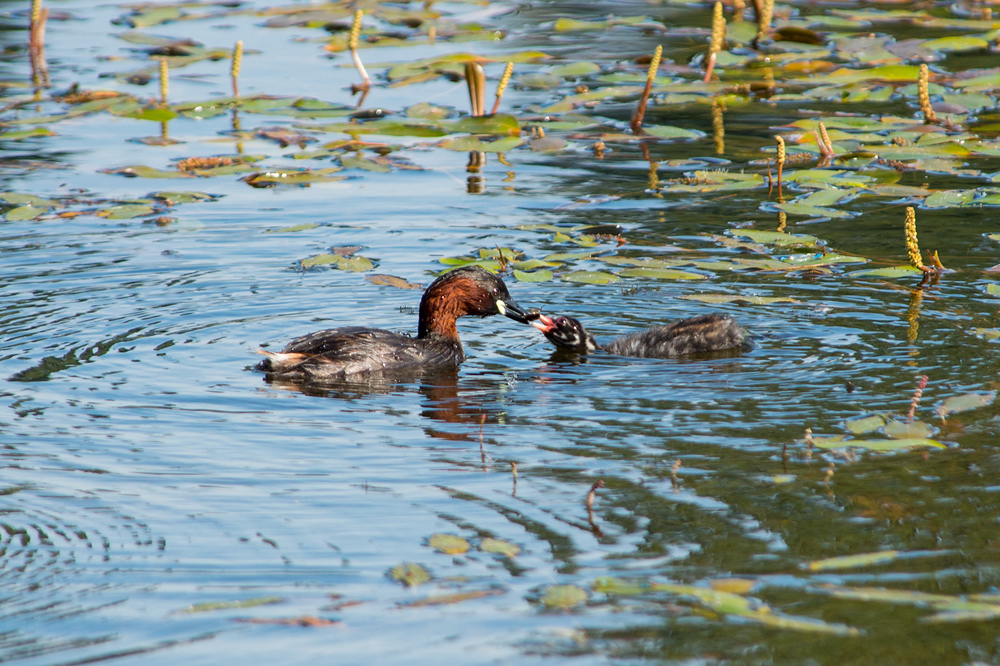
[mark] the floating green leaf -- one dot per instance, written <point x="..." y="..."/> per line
<point x="779" y="238"/>
<point x="726" y="298"/>
<point x="500" y="547"/>
<point x="319" y="260"/>
<point x="863" y="424"/>
<point x="533" y="264"/>
<point x="914" y="430"/>
<point x="473" y="143"/>
<point x="125" y="212"/>
<point x="949" y="198"/>
<point x="22" y="213"/>
<point x="17" y="135"/>
<point x="669" y="132"/>
<point x="409" y="574"/>
<point x="574" y="70"/>
<point x="139" y="171"/>
<point x="563" y="596"/>
<point x="571" y="25"/>
<point x="987" y="333"/>
<point x="174" y="198"/>
<point x="888" y="272"/>
<point x="543" y="275"/>
<point x="356" y="264"/>
<point x="660" y="274"/>
<point x="158" y="114"/>
<point x="964" y="403"/>
<point x="498" y="123"/>
<point x="295" y="227"/>
<point x="876" y="444"/>
<point x="362" y="162"/>
<point x="853" y="561"/>
<point x="448" y="543"/>
<point x="303" y="177"/>
<point x="589" y="277"/>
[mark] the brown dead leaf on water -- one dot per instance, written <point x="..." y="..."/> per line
<point x="301" y="621"/>
<point x="458" y="597"/>
<point x="196" y="163"/>
<point x="393" y="281"/>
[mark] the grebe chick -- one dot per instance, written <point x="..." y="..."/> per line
<point x="340" y="352"/>
<point x="707" y="333"/>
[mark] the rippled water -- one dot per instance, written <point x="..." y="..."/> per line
<point x="147" y="469"/>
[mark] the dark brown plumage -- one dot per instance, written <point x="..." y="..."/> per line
<point x="341" y="352"/>
<point x="707" y="333"/>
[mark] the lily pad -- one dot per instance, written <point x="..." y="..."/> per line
<point x="474" y="143"/>
<point x="590" y="277"/>
<point x="901" y="430"/>
<point x="863" y="424"/>
<point x="409" y="574"/>
<point x="230" y="605"/>
<point x="660" y="274"/>
<point x="448" y="543"/>
<point x="543" y="275"/>
<point x="563" y="597"/>
<point x="500" y="547"/>
<point x="888" y="272"/>
<point x="324" y="259"/>
<point x="853" y="561"/>
<point x="125" y="212"/>
<point x="964" y="403"/>
<point x="356" y="264"/>
<point x="877" y="444"/>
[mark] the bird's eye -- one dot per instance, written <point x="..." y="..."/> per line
<point x="496" y="291"/>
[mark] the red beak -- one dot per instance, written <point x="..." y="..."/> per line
<point x="544" y="324"/>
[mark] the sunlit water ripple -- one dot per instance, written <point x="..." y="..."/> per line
<point x="148" y="469"/>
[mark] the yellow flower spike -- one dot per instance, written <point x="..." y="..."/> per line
<point x="717" y="41"/>
<point x="739" y="6"/>
<point x="764" y="18"/>
<point x="352" y="40"/>
<point x="502" y="86"/>
<point x="164" y="80"/>
<point x="924" y="96"/>
<point x="235" y="70"/>
<point x="654" y="64"/>
<point x="718" y="127"/>
<point x="912" y="249"/>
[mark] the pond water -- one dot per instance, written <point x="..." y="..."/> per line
<point x="162" y="502"/>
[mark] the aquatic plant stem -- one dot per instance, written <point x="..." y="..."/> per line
<point x="235" y="70"/>
<point x="36" y="44"/>
<point x="475" y="79"/>
<point x="717" y="40"/>
<point x="352" y="42"/>
<point x="921" y="385"/>
<point x="589" y="502"/>
<point x="640" y="109"/>
<point x="502" y="86"/>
